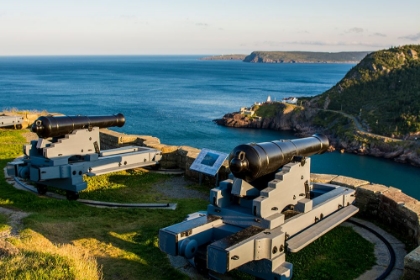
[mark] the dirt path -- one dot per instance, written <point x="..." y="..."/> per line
<point x="15" y="222"/>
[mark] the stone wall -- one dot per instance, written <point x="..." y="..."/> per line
<point x="173" y="157"/>
<point x="388" y="205"/>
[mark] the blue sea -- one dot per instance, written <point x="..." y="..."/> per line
<point x="175" y="98"/>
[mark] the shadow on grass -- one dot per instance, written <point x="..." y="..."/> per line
<point x="124" y="241"/>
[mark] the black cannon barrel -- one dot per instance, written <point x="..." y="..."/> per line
<point x="252" y="161"/>
<point x="55" y="126"/>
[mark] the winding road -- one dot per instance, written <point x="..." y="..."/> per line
<point x="360" y="129"/>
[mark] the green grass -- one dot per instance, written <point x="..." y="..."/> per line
<point x="269" y="110"/>
<point x="3" y="223"/>
<point x="68" y="240"/>
<point x="124" y="186"/>
<point x="36" y="265"/>
<point x="335" y="255"/>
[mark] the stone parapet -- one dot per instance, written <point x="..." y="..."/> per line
<point x="111" y="139"/>
<point x="412" y="265"/>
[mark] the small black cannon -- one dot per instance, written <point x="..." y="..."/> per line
<point x="268" y="207"/>
<point x="55" y="126"/>
<point x="69" y="147"/>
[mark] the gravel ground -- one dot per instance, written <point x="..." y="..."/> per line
<point x="30" y="136"/>
<point x="177" y="187"/>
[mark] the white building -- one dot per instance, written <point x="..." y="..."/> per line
<point x="247" y="111"/>
<point x="290" y="100"/>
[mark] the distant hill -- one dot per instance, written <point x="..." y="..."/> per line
<point x="293" y="57"/>
<point x="305" y="57"/>
<point x="383" y="90"/>
<point x="225" y="57"/>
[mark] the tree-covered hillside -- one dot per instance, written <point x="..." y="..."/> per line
<point x="383" y="90"/>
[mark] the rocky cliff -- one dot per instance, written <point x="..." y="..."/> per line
<point x="339" y="129"/>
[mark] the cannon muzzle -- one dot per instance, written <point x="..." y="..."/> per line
<point x="252" y="161"/>
<point x="55" y="126"/>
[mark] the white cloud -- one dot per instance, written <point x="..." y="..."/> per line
<point x="414" y="37"/>
<point x="379" y="34"/>
<point x="332" y="43"/>
<point x="355" y="30"/>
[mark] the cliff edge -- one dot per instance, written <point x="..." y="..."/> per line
<point x="340" y="129"/>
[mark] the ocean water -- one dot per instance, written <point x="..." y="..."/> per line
<point x="175" y="98"/>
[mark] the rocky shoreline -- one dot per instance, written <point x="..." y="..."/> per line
<point x="301" y="122"/>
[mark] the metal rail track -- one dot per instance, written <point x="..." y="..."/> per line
<point x="388" y="245"/>
<point x="103" y="204"/>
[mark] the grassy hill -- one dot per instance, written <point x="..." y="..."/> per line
<point x="304" y="57"/>
<point x="383" y="90"/>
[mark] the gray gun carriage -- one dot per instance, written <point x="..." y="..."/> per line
<point x="11" y="121"/>
<point x="266" y="208"/>
<point x="69" y="147"/>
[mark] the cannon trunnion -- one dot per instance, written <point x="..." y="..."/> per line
<point x="69" y="147"/>
<point x="266" y="208"/>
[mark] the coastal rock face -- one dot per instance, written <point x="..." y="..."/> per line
<point x="281" y="121"/>
<point x="301" y="122"/>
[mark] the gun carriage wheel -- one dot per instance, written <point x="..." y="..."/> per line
<point x="41" y="188"/>
<point x="72" y="195"/>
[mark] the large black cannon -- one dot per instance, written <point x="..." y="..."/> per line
<point x="267" y="207"/>
<point x="55" y="126"/>
<point x="252" y="161"/>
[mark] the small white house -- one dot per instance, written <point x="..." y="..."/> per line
<point x="290" y="100"/>
<point x="247" y="111"/>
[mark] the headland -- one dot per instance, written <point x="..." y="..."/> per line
<point x="293" y="57"/>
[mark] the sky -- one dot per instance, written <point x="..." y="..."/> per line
<point x="158" y="27"/>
